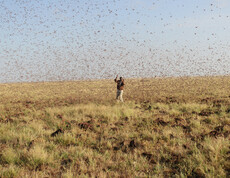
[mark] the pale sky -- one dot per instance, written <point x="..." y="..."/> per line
<point x="43" y="40"/>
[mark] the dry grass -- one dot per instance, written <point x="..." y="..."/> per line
<point x="166" y="127"/>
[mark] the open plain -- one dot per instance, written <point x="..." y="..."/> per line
<point x="167" y="127"/>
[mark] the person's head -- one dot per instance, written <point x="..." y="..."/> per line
<point x="121" y="78"/>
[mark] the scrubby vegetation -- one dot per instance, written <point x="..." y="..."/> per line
<point x="166" y="127"/>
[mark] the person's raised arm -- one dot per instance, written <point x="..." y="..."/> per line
<point x="116" y="79"/>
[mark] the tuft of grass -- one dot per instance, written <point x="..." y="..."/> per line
<point x="9" y="156"/>
<point x="8" y="172"/>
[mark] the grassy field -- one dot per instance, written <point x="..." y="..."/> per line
<point x="167" y="127"/>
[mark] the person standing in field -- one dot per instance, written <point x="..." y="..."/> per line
<point x="120" y="88"/>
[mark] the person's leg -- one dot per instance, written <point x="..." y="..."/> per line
<point x="118" y="94"/>
<point x="121" y="96"/>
